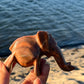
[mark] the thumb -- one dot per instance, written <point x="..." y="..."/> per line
<point x="37" y="81"/>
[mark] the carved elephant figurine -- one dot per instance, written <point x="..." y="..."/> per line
<point x="29" y="50"/>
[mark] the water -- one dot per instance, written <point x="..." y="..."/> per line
<point x="64" y="19"/>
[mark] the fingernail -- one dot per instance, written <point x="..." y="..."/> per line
<point x="37" y="81"/>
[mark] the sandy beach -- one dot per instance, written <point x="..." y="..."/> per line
<point x="56" y="75"/>
<point x="76" y="57"/>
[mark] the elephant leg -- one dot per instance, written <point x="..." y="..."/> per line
<point x="37" y="70"/>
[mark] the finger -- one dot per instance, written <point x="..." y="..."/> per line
<point x="3" y="68"/>
<point x="32" y="79"/>
<point x="44" y="67"/>
<point x="29" y="78"/>
<point x="45" y="70"/>
<point x="9" y="59"/>
<point x="43" y="61"/>
<point x="44" y="73"/>
<point x="10" y="62"/>
<point x="42" y="78"/>
<point x="37" y="81"/>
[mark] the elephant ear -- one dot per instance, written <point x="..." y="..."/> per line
<point x="42" y="40"/>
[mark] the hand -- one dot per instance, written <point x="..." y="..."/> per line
<point x="5" y="67"/>
<point x="33" y="79"/>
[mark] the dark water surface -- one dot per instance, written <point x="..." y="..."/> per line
<point x="64" y="19"/>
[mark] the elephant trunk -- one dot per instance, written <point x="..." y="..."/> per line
<point x="60" y="60"/>
<point x="58" y="56"/>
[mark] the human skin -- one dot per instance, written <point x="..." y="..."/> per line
<point x="33" y="79"/>
<point x="4" y="74"/>
<point x="7" y="67"/>
<point x="4" y="68"/>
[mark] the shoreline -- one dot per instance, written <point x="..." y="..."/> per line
<point x="62" y="49"/>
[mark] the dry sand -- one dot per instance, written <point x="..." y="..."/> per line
<point x="56" y="75"/>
